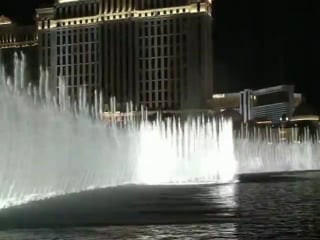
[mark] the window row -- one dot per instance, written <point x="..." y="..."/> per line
<point x="72" y="39"/>
<point x="156" y="84"/>
<point x="83" y="30"/>
<point x="161" y="28"/>
<point x="166" y="75"/>
<point x="82" y="48"/>
<point x="160" y="63"/>
<point x="75" y="70"/>
<point x="163" y="38"/>
<point x="159" y="52"/>
<point x="162" y="42"/>
<point x="75" y="59"/>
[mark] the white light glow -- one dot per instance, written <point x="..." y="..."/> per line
<point x="191" y="153"/>
<point x="67" y="1"/>
<point x="218" y="96"/>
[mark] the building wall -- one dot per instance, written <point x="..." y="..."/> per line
<point x="119" y="64"/>
<point x="198" y="71"/>
<point x="78" y="58"/>
<point x="160" y="58"/>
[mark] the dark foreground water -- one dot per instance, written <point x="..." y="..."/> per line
<point x="260" y="207"/>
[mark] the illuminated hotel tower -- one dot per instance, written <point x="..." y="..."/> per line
<point x="157" y="53"/>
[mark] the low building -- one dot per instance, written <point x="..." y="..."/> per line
<point x="18" y="42"/>
<point x="267" y="104"/>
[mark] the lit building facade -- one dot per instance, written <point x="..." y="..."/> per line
<point x="154" y="53"/>
<point x="266" y="104"/>
<point x="15" y="40"/>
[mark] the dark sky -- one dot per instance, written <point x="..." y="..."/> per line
<point x="258" y="43"/>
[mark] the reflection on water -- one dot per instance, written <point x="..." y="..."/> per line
<point x="286" y="208"/>
<point x="227" y="195"/>
<point x="204" y="231"/>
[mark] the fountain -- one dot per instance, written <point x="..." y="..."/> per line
<point x="263" y="151"/>
<point x="50" y="148"/>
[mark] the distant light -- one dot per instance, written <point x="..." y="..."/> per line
<point x="284" y="119"/>
<point x="264" y="122"/>
<point x="219" y="96"/>
<point x="305" y="118"/>
<point x="66" y="1"/>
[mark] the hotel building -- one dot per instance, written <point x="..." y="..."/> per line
<point x="156" y="53"/>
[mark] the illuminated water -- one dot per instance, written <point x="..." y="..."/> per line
<point x="261" y="153"/>
<point x="45" y="150"/>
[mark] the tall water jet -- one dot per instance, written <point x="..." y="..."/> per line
<point x="267" y="152"/>
<point x="47" y="149"/>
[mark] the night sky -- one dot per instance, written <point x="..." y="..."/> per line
<point x="258" y="43"/>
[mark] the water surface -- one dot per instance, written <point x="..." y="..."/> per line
<point x="286" y="207"/>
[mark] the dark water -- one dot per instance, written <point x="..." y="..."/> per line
<point x="278" y="207"/>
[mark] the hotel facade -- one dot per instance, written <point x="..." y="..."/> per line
<point x="155" y="53"/>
